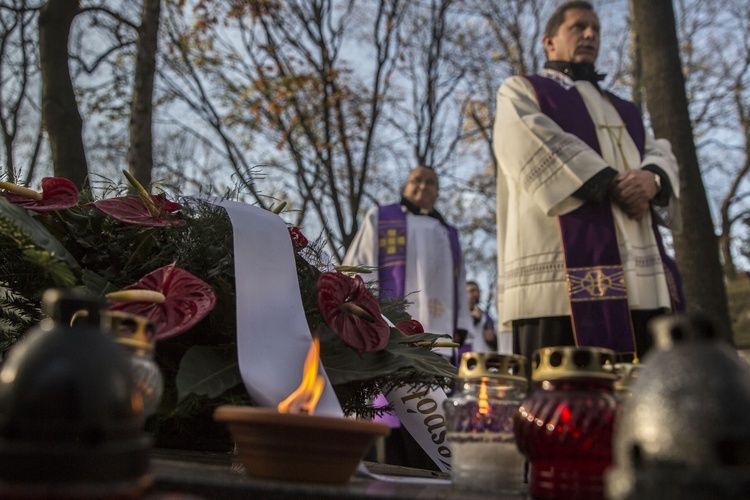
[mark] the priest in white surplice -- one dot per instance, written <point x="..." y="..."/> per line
<point x="415" y="254"/>
<point x="580" y="184"/>
<point x="482" y="336"/>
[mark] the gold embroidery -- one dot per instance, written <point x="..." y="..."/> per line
<point x="618" y="139"/>
<point x="391" y="241"/>
<point x="436" y="308"/>
<point x="596" y="283"/>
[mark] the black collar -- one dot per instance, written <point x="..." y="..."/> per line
<point x="411" y="207"/>
<point x="577" y="71"/>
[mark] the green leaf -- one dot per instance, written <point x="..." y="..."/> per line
<point x="344" y="366"/>
<point x="58" y="271"/>
<point x="25" y="230"/>
<point x="96" y="284"/>
<point x="205" y="372"/>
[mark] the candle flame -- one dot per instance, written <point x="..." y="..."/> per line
<point x="306" y="396"/>
<point x="484" y="405"/>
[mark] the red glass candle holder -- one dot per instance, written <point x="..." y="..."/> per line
<point x="564" y="428"/>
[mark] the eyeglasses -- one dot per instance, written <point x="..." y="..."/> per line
<point x="432" y="183"/>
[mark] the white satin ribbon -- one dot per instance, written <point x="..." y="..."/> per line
<point x="273" y="337"/>
<point x="272" y="333"/>
<point x="421" y="412"/>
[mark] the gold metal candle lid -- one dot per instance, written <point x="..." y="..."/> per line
<point x="492" y="365"/>
<point x="554" y="363"/>
<point x="130" y="329"/>
<point x="627" y="373"/>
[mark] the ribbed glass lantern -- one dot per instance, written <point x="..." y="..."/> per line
<point x="480" y="411"/>
<point x="627" y="374"/>
<point x="564" y="428"/>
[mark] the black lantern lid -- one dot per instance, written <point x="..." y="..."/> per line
<point x="69" y="407"/>
<point x="685" y="432"/>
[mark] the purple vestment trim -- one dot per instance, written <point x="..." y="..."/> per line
<point x="392" y="251"/>
<point x="392" y="255"/>
<point x="392" y="273"/>
<point x="632" y="118"/>
<point x="674" y="279"/>
<point x="456" y="253"/>
<point x="596" y="282"/>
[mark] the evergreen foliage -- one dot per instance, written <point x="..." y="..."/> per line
<point x="83" y="248"/>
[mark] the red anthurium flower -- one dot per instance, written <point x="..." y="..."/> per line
<point x="298" y="239"/>
<point x="352" y="312"/>
<point x="186" y="300"/>
<point x="132" y="210"/>
<point x="57" y="193"/>
<point x="410" y="327"/>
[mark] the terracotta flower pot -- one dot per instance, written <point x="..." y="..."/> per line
<point x="299" y="447"/>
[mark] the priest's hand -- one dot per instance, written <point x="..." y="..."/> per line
<point x="633" y="190"/>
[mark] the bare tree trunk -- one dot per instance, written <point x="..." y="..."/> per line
<point x="727" y="220"/>
<point x="696" y="248"/>
<point x="725" y="244"/>
<point x="734" y="194"/>
<point x="140" y="155"/>
<point x="637" y="64"/>
<point x="60" y="113"/>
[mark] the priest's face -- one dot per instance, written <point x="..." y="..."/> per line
<point x="577" y="39"/>
<point x="472" y="291"/>
<point x="422" y="188"/>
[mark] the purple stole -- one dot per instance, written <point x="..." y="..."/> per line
<point x="595" y="275"/>
<point x="392" y="272"/>
<point x="392" y="255"/>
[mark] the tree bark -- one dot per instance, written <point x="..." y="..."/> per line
<point x="635" y="57"/>
<point x="725" y="244"/>
<point x="60" y="114"/>
<point x="696" y="247"/>
<point x="140" y="155"/>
